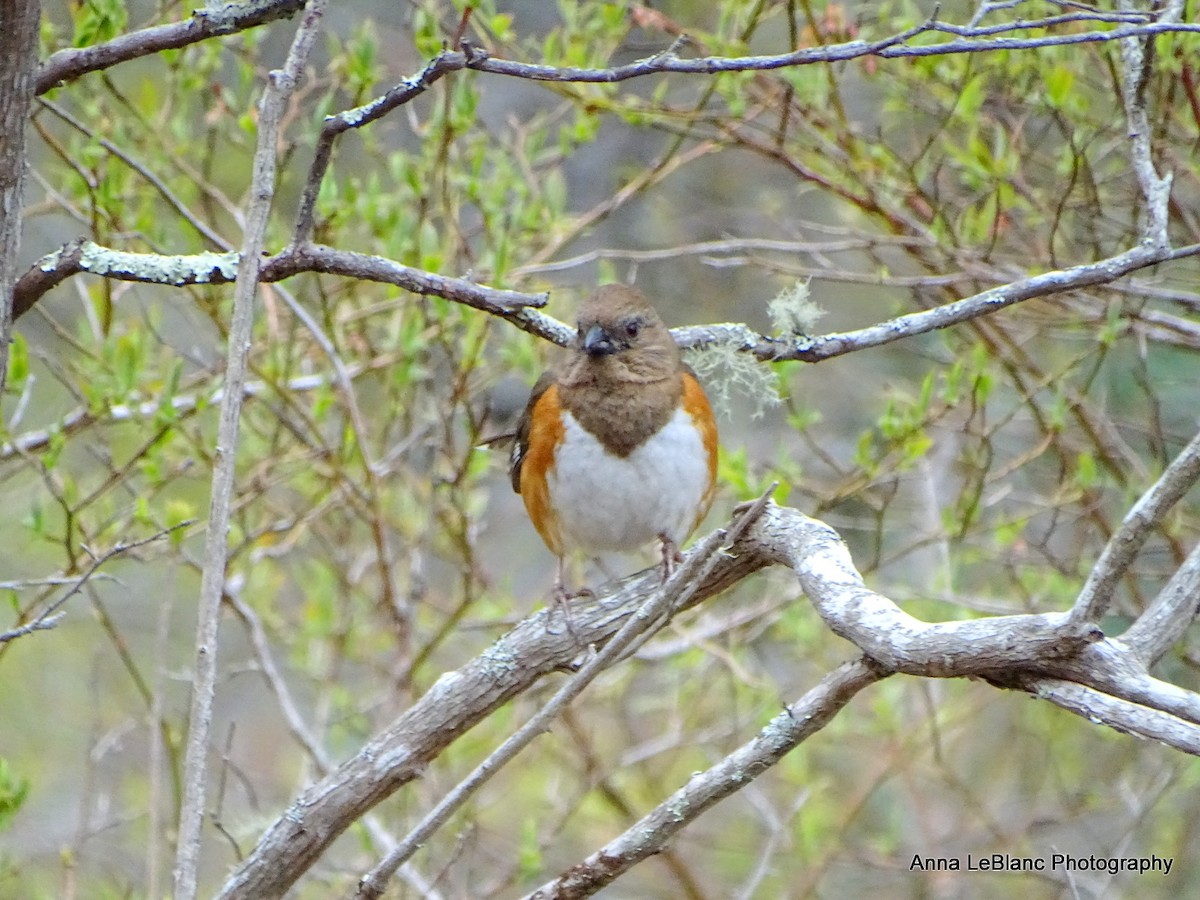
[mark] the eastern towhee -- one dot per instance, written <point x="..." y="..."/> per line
<point x="618" y="445"/>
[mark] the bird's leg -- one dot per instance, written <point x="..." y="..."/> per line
<point x="670" y="556"/>
<point x="562" y="596"/>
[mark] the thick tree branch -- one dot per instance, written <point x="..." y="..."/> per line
<point x="675" y="593"/>
<point x="212" y="21"/>
<point x="537" y="647"/>
<point x="18" y="57"/>
<point x="1168" y="617"/>
<point x="1118" y="714"/>
<point x="459" y="700"/>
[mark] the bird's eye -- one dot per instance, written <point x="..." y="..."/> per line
<point x="632" y="327"/>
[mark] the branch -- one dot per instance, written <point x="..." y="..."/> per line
<point x="648" y="618"/>
<point x="456" y="703"/>
<point x="1155" y="190"/>
<point x="181" y="404"/>
<point x="81" y="255"/>
<point x="408" y="89"/>
<point x="460" y="700"/>
<point x="1168" y="617"/>
<point x="1145" y="515"/>
<point x="220" y="268"/>
<point x="1118" y="714"/>
<point x="51" y="616"/>
<point x="1113" y="668"/>
<point x="888" y="48"/>
<point x="280" y="85"/>
<point x="780" y="736"/>
<point x="214" y="20"/>
<point x="816" y="348"/>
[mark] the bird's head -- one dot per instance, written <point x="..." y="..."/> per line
<point x="621" y="336"/>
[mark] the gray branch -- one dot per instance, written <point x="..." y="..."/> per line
<point x="1169" y="615"/>
<point x="780" y="736"/>
<point x="220" y="268"/>
<point x="83" y="256"/>
<point x="212" y="21"/>
<point x="280" y="84"/>
<point x="648" y="618"/>
<point x="52" y="614"/>
<point x="1156" y="190"/>
<point x="1024" y="652"/>
<point x="896" y="46"/>
<point x="1145" y="515"/>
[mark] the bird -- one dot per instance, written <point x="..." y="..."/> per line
<point x="617" y="446"/>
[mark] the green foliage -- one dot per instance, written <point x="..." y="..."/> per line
<point x="972" y="471"/>
<point x="98" y="20"/>
<point x="13" y="792"/>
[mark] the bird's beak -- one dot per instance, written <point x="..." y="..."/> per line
<point x="597" y="342"/>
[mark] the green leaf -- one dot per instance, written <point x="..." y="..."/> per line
<point x="18" y="361"/>
<point x="99" y="20"/>
<point x="13" y="791"/>
<point x="1086" y="471"/>
<point x="1059" y="81"/>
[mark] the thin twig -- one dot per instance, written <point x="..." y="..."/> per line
<point x="280" y="85"/>
<point x="51" y="616"/>
<point x="781" y="735"/>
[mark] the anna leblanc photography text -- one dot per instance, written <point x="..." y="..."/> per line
<point x="1002" y="862"/>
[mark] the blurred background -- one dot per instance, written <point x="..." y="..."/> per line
<point x="977" y="470"/>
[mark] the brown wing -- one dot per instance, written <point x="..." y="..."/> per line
<point x="520" y="448"/>
<point x="695" y="402"/>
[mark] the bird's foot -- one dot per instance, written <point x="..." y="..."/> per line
<point x="671" y="556"/>
<point x="562" y="603"/>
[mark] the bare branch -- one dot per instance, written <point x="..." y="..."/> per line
<point x="815" y="348"/>
<point x="888" y="48"/>
<point x="1155" y="190"/>
<point x="438" y="67"/>
<point x="51" y="616"/>
<point x="280" y="85"/>
<point x="212" y="21"/>
<point x="892" y="637"/>
<point x="780" y="736"/>
<point x="459" y="700"/>
<point x="1126" y="717"/>
<point x="144" y="171"/>
<point x="1145" y="515"/>
<point x="478" y="59"/>
<point x="221" y="268"/>
<point x="182" y="404"/>
<point x="456" y="703"/>
<point x="675" y="593"/>
<point x="1168" y="617"/>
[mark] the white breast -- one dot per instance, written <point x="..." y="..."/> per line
<point x="606" y="503"/>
